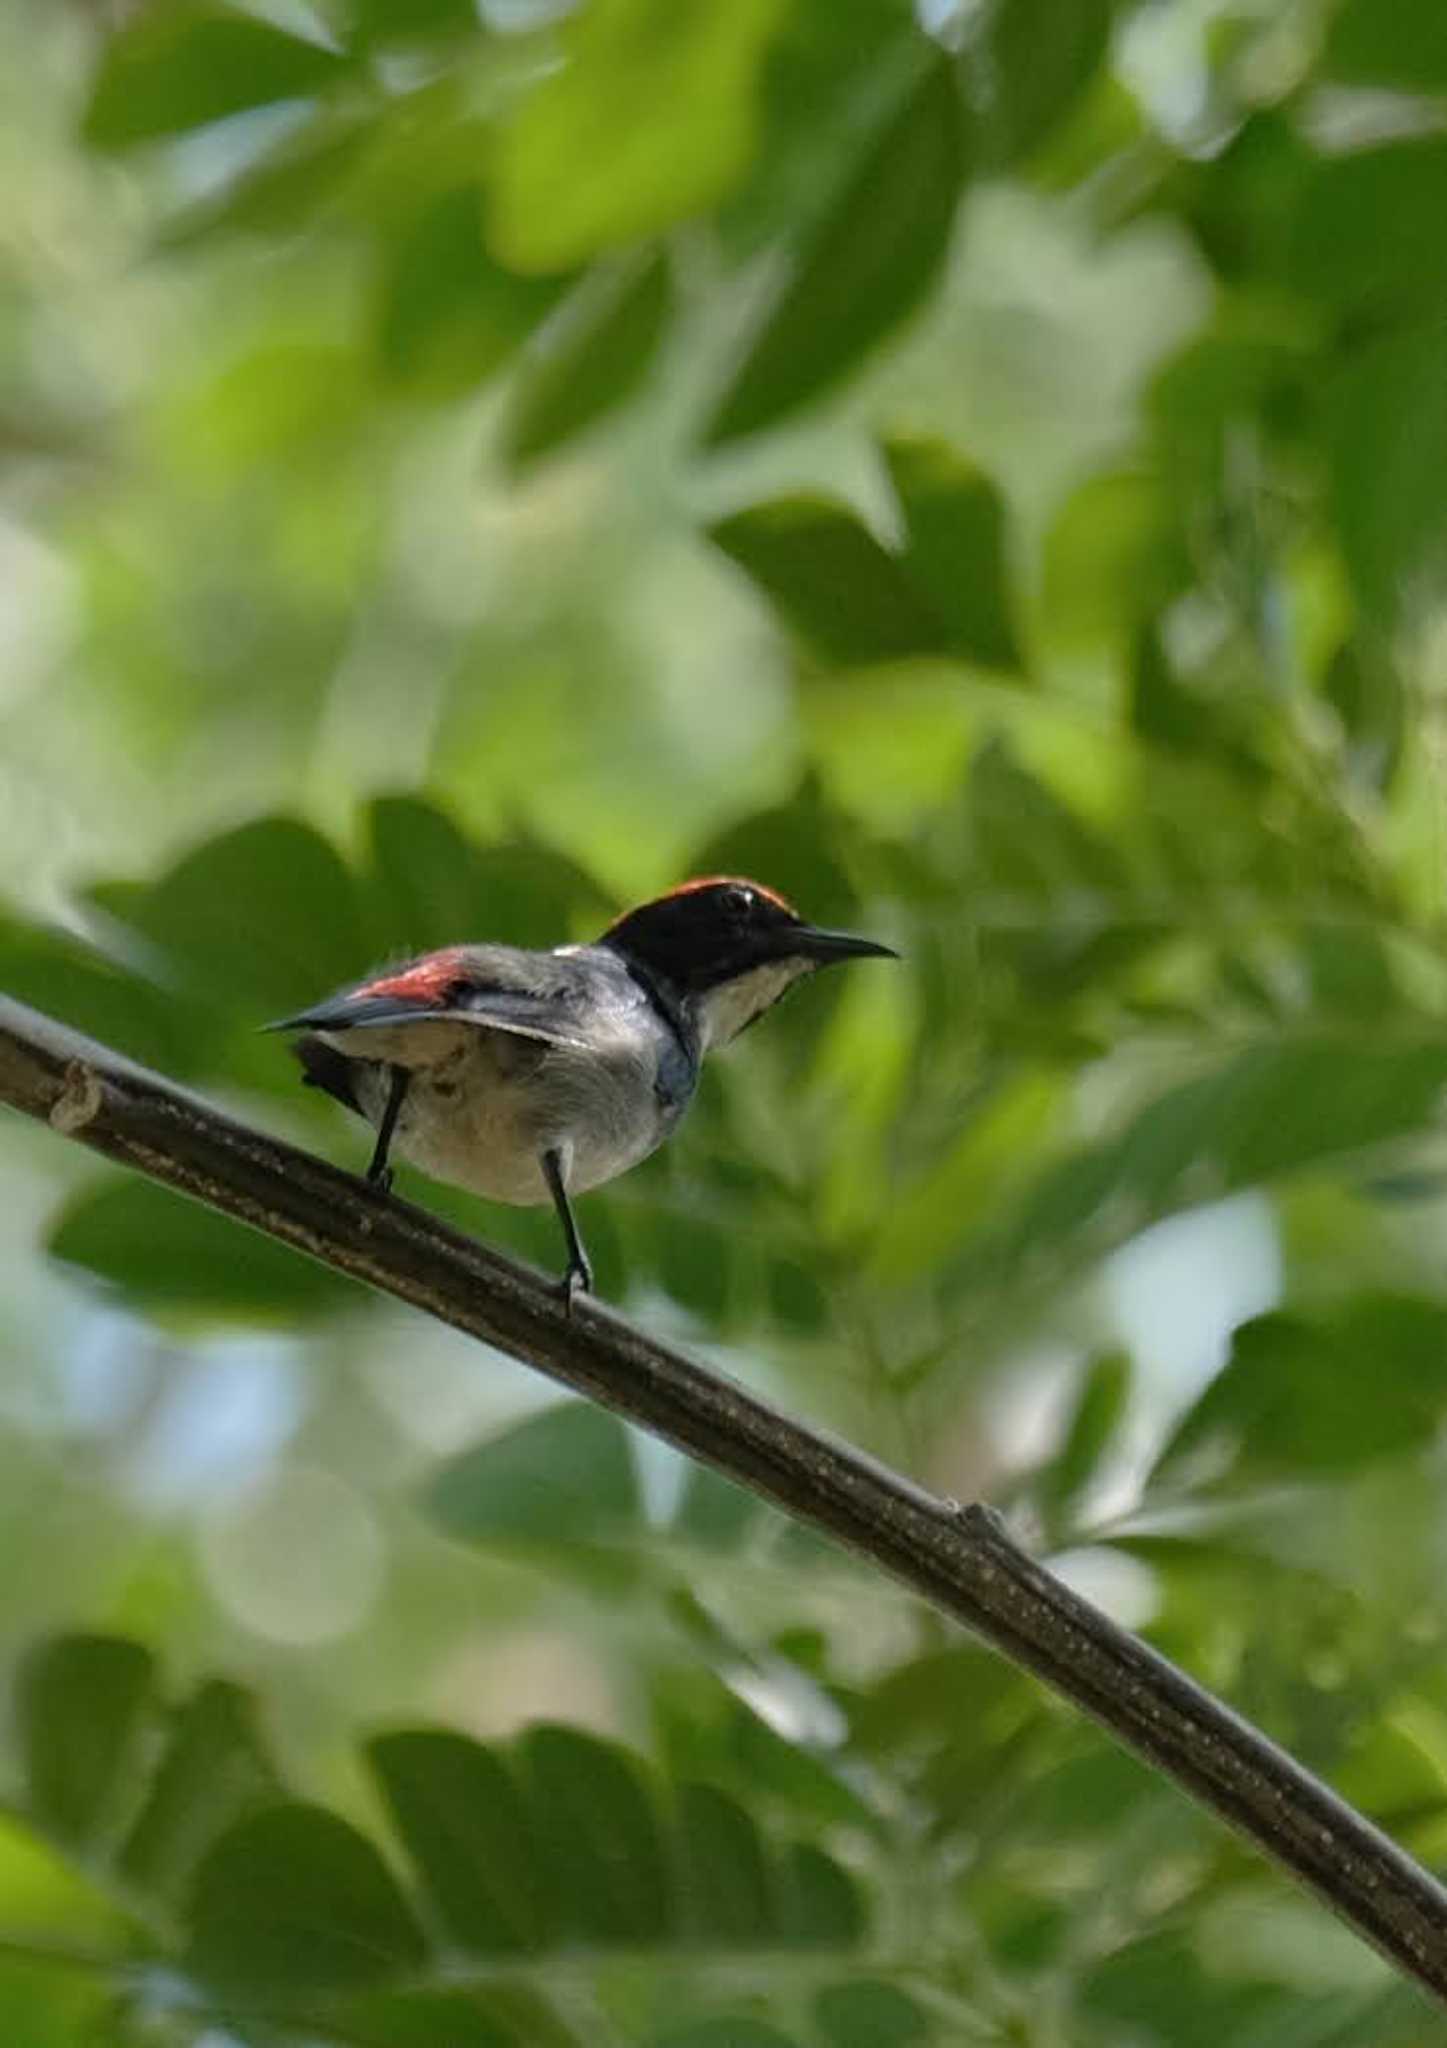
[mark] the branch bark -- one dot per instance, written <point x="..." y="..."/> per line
<point x="961" y="1559"/>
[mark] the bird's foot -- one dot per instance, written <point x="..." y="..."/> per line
<point x="381" y="1180"/>
<point x="578" y="1279"/>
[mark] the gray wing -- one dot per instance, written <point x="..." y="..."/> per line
<point x="498" y="988"/>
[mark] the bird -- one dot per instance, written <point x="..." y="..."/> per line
<point x="528" y="1076"/>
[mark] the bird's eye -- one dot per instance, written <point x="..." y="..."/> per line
<point x="738" y="901"/>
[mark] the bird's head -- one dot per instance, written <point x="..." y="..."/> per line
<point x="730" y="947"/>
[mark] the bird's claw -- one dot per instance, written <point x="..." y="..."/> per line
<point x="381" y="1180"/>
<point x="577" y="1280"/>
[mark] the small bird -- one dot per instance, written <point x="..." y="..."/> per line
<point x="532" y="1076"/>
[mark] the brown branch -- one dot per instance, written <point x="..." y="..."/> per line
<point x="962" y="1559"/>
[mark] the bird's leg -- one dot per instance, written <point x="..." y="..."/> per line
<point x="578" y="1279"/>
<point x="379" y="1173"/>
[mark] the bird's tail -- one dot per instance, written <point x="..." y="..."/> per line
<point x="324" y="1067"/>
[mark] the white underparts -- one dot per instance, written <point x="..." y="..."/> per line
<point x="725" y="1011"/>
<point x="483" y="1105"/>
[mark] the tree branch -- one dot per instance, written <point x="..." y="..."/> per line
<point x="962" y="1559"/>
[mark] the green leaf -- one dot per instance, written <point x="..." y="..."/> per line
<point x="430" y="2019"/>
<point x="563" y="1477"/>
<point x="797" y="1297"/>
<point x="262" y="919"/>
<point x="430" y="885"/>
<point x="163" y="1251"/>
<point x="1241" y="375"/>
<point x="929" y="1698"/>
<point x="787" y="1774"/>
<point x="406" y="20"/>
<point x="495" y="2016"/>
<point x="1083" y="1796"/>
<point x="213" y="1771"/>
<point x="822" y="1906"/>
<point x="1302" y="1398"/>
<point x="697" y="1261"/>
<point x="1404" y="45"/>
<point x="425" y="886"/>
<point x="1035" y="60"/>
<point x="589" y="370"/>
<point x="1005" y="1129"/>
<point x="832" y="69"/>
<point x="868" y="2013"/>
<point x="58" y="973"/>
<point x="1242" y="204"/>
<point x="1364" y="687"/>
<point x="866" y="267"/>
<point x="530" y="2021"/>
<point x="458" y="1808"/>
<point x="42" y="2007"/>
<point x="1099" y="1410"/>
<point x="1215" y="727"/>
<point x="713" y="1511"/>
<point x="1163" y="712"/>
<point x="1386" y="422"/>
<point x="1275" y="1109"/>
<point x="83" y="1704"/>
<point x="648" y="118"/>
<point x="52" y="1888"/>
<point x="1113" y="558"/>
<point x="741" y="2032"/>
<point x="725" y="1893"/>
<point x="601" y="1839"/>
<point x="1350" y="970"/>
<point x="948" y="1720"/>
<point x="284" y="193"/>
<point x="847" y="597"/>
<point x="449" y="314"/>
<point x="1366" y="229"/>
<point x="178" y="67"/>
<point x="1281" y="1108"/>
<point x="1156" y="1988"/>
<point x="956" y="552"/>
<point x="294" y="1902"/>
<point x="1027" y="841"/>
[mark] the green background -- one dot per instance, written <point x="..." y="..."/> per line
<point x="980" y="470"/>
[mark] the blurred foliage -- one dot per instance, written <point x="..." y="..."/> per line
<point x="977" y="467"/>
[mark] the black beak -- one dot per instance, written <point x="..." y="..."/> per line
<point x="825" y="947"/>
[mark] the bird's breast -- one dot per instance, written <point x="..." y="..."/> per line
<point x="468" y="1115"/>
<point x="482" y="1113"/>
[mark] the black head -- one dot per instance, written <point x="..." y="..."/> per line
<point x="724" y="933"/>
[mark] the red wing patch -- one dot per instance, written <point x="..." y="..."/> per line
<point x="740" y="882"/>
<point x="421" y="981"/>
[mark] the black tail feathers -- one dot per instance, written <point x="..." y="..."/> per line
<point x="324" y="1067"/>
